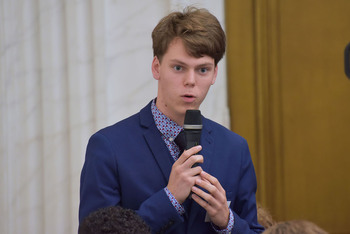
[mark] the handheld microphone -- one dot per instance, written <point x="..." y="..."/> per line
<point x="193" y="128"/>
<point x="192" y="131"/>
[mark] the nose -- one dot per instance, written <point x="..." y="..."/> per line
<point x="190" y="78"/>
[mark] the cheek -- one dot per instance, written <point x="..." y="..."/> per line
<point x="171" y="82"/>
<point x="167" y="84"/>
<point x="204" y="91"/>
<point x="205" y="86"/>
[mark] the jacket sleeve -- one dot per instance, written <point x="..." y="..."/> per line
<point x="99" y="187"/>
<point x="244" y="208"/>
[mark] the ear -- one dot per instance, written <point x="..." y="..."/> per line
<point x="215" y="74"/>
<point x="156" y="68"/>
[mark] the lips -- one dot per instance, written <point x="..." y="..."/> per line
<point x="188" y="97"/>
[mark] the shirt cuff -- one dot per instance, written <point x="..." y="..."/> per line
<point x="180" y="209"/>
<point x="229" y="227"/>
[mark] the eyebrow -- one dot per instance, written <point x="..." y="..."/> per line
<point x="199" y="65"/>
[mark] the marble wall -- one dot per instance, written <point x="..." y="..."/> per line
<point x="67" y="69"/>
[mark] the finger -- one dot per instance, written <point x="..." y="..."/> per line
<point x="205" y="184"/>
<point x="195" y="171"/>
<point x="215" y="189"/>
<point x="214" y="181"/>
<point x="210" y="197"/>
<point x="202" y="203"/>
<point x="188" y="153"/>
<point x="194" y="159"/>
<point x="217" y="211"/>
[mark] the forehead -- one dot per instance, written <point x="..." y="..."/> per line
<point x="177" y="52"/>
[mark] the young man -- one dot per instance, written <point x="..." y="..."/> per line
<point x="136" y="163"/>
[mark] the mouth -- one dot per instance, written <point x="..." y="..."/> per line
<point x="188" y="97"/>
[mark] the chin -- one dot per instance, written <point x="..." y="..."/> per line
<point x="192" y="106"/>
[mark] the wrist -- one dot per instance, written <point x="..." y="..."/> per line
<point x="224" y="225"/>
<point x="228" y="227"/>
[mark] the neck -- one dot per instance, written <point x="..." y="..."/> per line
<point x="178" y="119"/>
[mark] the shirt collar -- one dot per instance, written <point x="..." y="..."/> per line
<point x="168" y="128"/>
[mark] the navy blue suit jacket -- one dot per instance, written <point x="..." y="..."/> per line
<point x="128" y="164"/>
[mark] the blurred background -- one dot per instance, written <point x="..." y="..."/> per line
<point x="69" y="68"/>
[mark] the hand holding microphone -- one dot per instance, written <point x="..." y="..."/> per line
<point x="185" y="170"/>
<point x="188" y="180"/>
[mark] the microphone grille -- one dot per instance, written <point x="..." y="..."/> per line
<point x="193" y="117"/>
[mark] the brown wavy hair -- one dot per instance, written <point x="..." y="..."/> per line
<point x="199" y="30"/>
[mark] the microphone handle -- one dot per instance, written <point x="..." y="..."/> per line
<point x="192" y="139"/>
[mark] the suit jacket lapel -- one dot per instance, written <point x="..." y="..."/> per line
<point x="160" y="153"/>
<point x="207" y="151"/>
<point x="155" y="142"/>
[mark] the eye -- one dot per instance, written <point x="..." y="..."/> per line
<point x="203" y="70"/>
<point x="177" y="68"/>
